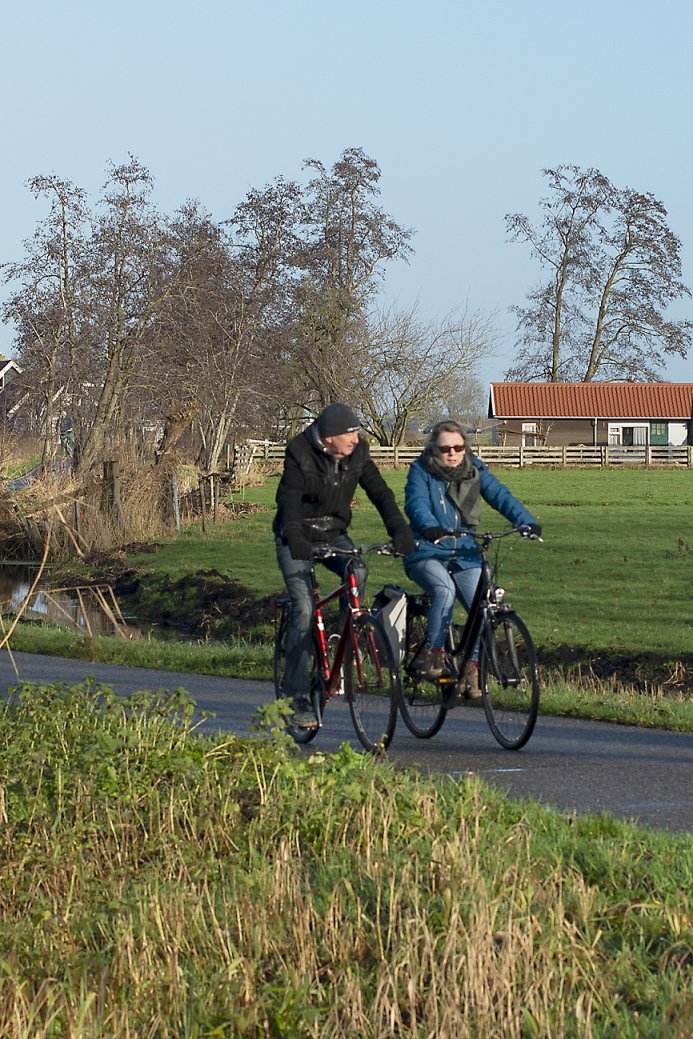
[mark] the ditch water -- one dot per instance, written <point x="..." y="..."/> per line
<point x="83" y="611"/>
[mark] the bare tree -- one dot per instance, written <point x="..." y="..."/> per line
<point x="419" y="370"/>
<point x="348" y="240"/>
<point x="46" y="305"/>
<point x="615" y="267"/>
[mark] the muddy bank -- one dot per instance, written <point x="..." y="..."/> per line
<point x="641" y="671"/>
<point x="201" y="605"/>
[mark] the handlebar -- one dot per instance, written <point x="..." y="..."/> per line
<point x="523" y="530"/>
<point x="325" y="551"/>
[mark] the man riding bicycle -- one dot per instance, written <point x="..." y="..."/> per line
<point x="322" y="468"/>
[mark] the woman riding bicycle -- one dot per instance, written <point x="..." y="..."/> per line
<point x="322" y="468"/>
<point x="444" y="489"/>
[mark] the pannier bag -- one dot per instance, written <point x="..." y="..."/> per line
<point x="390" y="605"/>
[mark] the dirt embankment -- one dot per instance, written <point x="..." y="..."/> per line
<point x="203" y="605"/>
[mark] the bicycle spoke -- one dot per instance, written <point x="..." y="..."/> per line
<point x="421" y="701"/>
<point x="371" y="684"/>
<point x="509" y="680"/>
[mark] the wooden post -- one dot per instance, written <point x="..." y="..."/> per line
<point x="78" y="519"/>
<point x="176" y="501"/>
<point x="203" y="505"/>
<point x="110" y="495"/>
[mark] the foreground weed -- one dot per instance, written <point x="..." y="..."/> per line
<point x="157" y="883"/>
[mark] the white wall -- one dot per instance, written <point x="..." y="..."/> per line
<point x="677" y="433"/>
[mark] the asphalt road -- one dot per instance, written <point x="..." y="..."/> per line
<point x="573" y="765"/>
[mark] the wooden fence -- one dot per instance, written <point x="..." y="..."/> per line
<point x="516" y="457"/>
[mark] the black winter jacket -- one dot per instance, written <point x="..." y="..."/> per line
<point x="316" y="490"/>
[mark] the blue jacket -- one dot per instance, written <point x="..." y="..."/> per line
<point x="427" y="505"/>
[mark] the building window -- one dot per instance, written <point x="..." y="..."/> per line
<point x="627" y="435"/>
<point x="529" y="434"/>
<point x="658" y="429"/>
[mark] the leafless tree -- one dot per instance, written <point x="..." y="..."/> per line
<point x="45" y="305"/>
<point x="420" y="370"/>
<point x="615" y="268"/>
<point x="348" y="239"/>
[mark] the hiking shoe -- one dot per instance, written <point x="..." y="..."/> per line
<point x="304" y="715"/>
<point x="431" y="664"/>
<point x="472" y="689"/>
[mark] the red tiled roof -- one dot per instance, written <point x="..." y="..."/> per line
<point x="652" y="400"/>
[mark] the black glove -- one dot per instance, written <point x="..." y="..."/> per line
<point x="434" y="533"/>
<point x="530" y="530"/>
<point x="300" y="547"/>
<point x="403" y="540"/>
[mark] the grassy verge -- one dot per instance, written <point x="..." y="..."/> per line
<point x="653" y="707"/>
<point x="158" y="883"/>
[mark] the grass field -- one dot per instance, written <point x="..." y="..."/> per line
<point x="609" y="590"/>
<point x="615" y="571"/>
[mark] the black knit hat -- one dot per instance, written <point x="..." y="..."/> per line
<point x="336" y="419"/>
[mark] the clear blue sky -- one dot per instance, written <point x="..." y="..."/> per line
<point x="461" y="104"/>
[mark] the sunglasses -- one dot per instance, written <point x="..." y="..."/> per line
<point x="447" y="448"/>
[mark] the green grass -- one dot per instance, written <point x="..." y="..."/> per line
<point x="612" y="581"/>
<point x="615" y="571"/>
<point x="158" y="883"/>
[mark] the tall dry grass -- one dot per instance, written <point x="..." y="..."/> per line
<point x="157" y="884"/>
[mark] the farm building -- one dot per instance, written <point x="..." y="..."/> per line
<point x="539" y="414"/>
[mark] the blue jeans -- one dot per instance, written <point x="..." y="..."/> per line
<point x="299" y="637"/>
<point x="444" y="582"/>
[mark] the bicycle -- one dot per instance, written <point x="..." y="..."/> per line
<point x="508" y="668"/>
<point x="362" y="667"/>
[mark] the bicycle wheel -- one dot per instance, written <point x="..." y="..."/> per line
<point x="509" y="679"/>
<point x="371" y="684"/>
<point x="421" y="701"/>
<point x="298" y="733"/>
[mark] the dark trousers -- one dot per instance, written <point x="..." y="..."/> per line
<point x="299" y="638"/>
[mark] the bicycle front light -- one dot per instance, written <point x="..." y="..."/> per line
<point x="500" y="594"/>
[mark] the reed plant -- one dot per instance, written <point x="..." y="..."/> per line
<point x="156" y="883"/>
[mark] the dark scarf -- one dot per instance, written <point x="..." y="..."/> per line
<point x="462" y="484"/>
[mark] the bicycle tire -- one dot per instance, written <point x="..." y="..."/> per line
<point x="371" y="684"/>
<point x="509" y="679"/>
<point x="421" y="701"/>
<point x="297" y="732"/>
